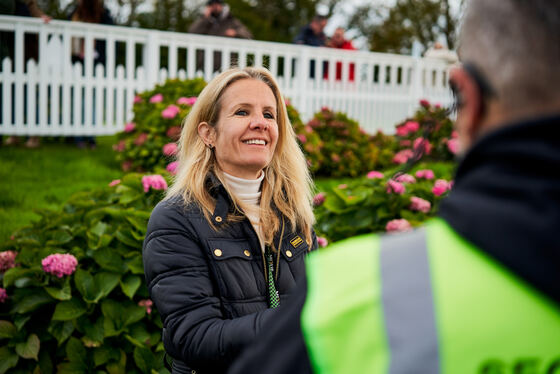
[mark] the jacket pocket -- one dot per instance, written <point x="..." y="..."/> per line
<point x="235" y="267"/>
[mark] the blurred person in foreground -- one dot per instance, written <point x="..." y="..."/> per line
<point x="227" y="244"/>
<point x="476" y="290"/>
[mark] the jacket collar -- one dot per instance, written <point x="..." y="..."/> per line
<point x="506" y="200"/>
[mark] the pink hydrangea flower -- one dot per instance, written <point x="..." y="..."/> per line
<point x="425" y="174"/>
<point x="405" y="143"/>
<point x="137" y="99"/>
<point x="453" y="146"/>
<point x="402" y="130"/>
<point x="454" y="134"/>
<point x="146" y="303"/>
<point x="170" y="112"/>
<point x="287" y="101"/>
<point x="319" y="199"/>
<point x="187" y="100"/>
<point x="156" y="181"/>
<point x="3" y="295"/>
<point x="141" y="139"/>
<point x="114" y="182"/>
<point x="323" y="242"/>
<point x="374" y="174"/>
<point x="302" y="138"/>
<point x="405" y="178"/>
<point x="129" y="127"/>
<point x="342" y="186"/>
<point x="325" y="109"/>
<point x="172" y="167"/>
<point x="335" y="157"/>
<point x="395" y="187"/>
<point x="170" y="149"/>
<point x="174" y="132"/>
<point x="412" y="126"/>
<point x="440" y="187"/>
<point x="425" y="103"/>
<point x="126" y="165"/>
<point x="398" y="225"/>
<point x="59" y="264"/>
<point x="422" y="142"/>
<point x="7" y="260"/>
<point x="157" y="98"/>
<point x="308" y="129"/>
<point x="420" y="205"/>
<point x="403" y="156"/>
<point x="120" y="146"/>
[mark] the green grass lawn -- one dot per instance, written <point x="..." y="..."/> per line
<point x="46" y="177"/>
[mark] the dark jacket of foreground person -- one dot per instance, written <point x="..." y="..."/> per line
<point x="215" y="301"/>
<point x="476" y="291"/>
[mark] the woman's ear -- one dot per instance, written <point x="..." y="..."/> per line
<point x="207" y="134"/>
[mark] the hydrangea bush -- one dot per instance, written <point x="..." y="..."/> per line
<point x="343" y="148"/>
<point x="377" y="202"/>
<point x="149" y="140"/>
<point x="73" y="297"/>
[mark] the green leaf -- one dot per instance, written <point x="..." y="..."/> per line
<point x="61" y="330"/>
<point x="94" y="331"/>
<point x="134" y="313"/>
<point x="59" y="237"/>
<point x="13" y="274"/>
<point x="114" y="317"/>
<point x="139" y="333"/>
<point x="103" y="354"/>
<point x="64" y="293"/>
<point x="85" y="284"/>
<point x="76" y="352"/>
<point x="130" y="285"/>
<point x="8" y="359"/>
<point x="135" y="265"/>
<point x="32" y="302"/>
<point x="144" y="359"/>
<point x="118" y="367"/>
<point x="99" y="228"/>
<point x="7" y="329"/>
<point x="108" y="259"/>
<point x="68" y="310"/>
<point x="105" y="282"/>
<point x="128" y="195"/>
<point x="29" y="349"/>
<point x="45" y="362"/>
<point x="125" y="237"/>
<point x="20" y="320"/>
<point x="72" y="367"/>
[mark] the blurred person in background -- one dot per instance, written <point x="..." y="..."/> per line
<point x="227" y="244"/>
<point x="338" y="40"/>
<point x="313" y="35"/>
<point x="217" y="20"/>
<point x="476" y="290"/>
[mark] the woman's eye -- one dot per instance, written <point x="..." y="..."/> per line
<point x="241" y="112"/>
<point x="269" y="115"/>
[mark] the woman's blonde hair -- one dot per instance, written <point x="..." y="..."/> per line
<point x="287" y="183"/>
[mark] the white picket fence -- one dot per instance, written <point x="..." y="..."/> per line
<point x="53" y="97"/>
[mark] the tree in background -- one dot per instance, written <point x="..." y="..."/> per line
<point x="395" y="29"/>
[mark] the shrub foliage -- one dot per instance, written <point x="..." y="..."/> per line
<point x="99" y="318"/>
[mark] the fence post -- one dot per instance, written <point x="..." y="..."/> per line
<point x="151" y="59"/>
<point x="302" y="74"/>
<point x="417" y="84"/>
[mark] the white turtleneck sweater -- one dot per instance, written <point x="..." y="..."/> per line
<point x="248" y="193"/>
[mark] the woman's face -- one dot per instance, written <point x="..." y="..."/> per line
<point x="246" y="134"/>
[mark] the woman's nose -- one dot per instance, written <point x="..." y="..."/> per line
<point x="258" y="122"/>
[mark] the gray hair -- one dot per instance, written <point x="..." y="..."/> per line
<point x="516" y="46"/>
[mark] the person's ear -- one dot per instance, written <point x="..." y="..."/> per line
<point x="469" y="106"/>
<point x="207" y="133"/>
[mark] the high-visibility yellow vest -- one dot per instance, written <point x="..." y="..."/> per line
<point x="424" y="302"/>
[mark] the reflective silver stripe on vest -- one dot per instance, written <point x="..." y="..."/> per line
<point x="408" y="304"/>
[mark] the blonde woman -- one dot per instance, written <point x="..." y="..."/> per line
<point x="227" y="245"/>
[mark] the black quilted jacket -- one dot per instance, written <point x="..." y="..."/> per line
<point x="210" y="286"/>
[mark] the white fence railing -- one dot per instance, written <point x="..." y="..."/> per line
<point x="55" y="97"/>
